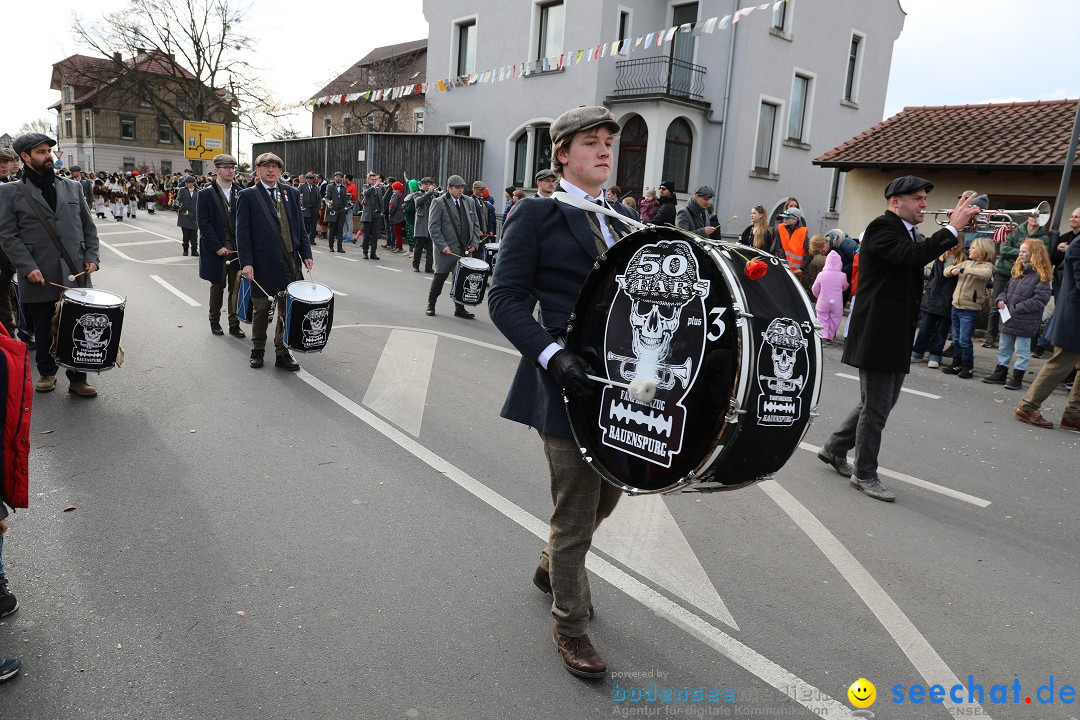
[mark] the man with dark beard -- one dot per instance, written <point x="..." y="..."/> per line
<point x="31" y="211"/>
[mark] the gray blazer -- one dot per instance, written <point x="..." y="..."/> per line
<point x="372" y="203"/>
<point x="423" y="210"/>
<point x="28" y="244"/>
<point x="187" y="211"/>
<point x="309" y="199"/>
<point x="446" y="232"/>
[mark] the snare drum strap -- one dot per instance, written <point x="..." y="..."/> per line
<point x="50" y="231"/>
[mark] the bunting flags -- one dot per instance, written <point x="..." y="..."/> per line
<point x="614" y="49"/>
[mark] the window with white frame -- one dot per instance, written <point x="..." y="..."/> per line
<point x="328" y="126"/>
<point x="164" y="131"/>
<point x="346" y="123"/>
<point x="624" y="25"/>
<point x="69" y="130"/>
<point x="780" y="16"/>
<point x="127" y="128"/>
<point x="552" y="20"/>
<point x="763" y="148"/>
<point x="854" y="66"/>
<point x="418" y="121"/>
<point x="799" y="109"/>
<point x="87" y="124"/>
<point x="466" y="48"/>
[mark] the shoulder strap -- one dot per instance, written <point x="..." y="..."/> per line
<point x="262" y="197"/>
<point x="230" y="226"/>
<point x="49" y="230"/>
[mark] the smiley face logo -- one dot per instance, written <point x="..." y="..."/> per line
<point x="862" y="693"/>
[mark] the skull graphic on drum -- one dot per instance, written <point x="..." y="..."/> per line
<point x="473" y="283"/>
<point x="780" y="402"/>
<point x="93" y="328"/>
<point x="314" y="327"/>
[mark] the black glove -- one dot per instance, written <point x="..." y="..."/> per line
<point x="571" y="373"/>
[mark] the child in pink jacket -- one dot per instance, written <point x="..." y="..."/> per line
<point x="829" y="287"/>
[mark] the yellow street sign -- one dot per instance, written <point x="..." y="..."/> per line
<point x="202" y="141"/>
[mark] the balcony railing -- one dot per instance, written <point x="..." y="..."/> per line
<point x="659" y="76"/>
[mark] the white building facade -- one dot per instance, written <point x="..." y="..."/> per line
<point x="744" y="108"/>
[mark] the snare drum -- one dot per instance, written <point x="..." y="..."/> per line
<point x="491" y="249"/>
<point x="88" y="330"/>
<point x="736" y="364"/>
<point x="309" y="315"/>
<point x="470" y="280"/>
<point x="244" y="308"/>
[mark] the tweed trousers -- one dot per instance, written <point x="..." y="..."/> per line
<point x="1053" y="373"/>
<point x="582" y="500"/>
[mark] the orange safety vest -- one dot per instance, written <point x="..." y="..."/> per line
<point x="794" y="247"/>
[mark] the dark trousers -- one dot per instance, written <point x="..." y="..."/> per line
<point x="1000" y="283"/>
<point x="582" y="501"/>
<point x="861" y="429"/>
<point x="437" y="283"/>
<point x="41" y="314"/>
<point x="231" y="273"/>
<point x="312" y="226"/>
<point x="190" y="236"/>
<point x="372" y="230"/>
<point x="333" y="232"/>
<point x="260" y="321"/>
<point x="423" y="244"/>
<point x="933" y="331"/>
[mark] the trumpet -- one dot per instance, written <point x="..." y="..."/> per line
<point x="992" y="219"/>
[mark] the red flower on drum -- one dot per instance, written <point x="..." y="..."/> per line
<point x="755" y="268"/>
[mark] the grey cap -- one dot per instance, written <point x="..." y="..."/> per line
<point x="309" y="176"/>
<point x="544" y="175"/>
<point x="455" y="181"/>
<point x="792" y="213"/>
<point x="29" y="141"/>
<point x="75" y="168"/>
<point x="426" y="180"/>
<point x="907" y="185"/>
<point x="189" y="179"/>
<point x="224" y="159"/>
<point x="478" y="185"/>
<point x="339" y="174"/>
<point x="268" y="159"/>
<point x="581" y="118"/>
<point x="705" y="191"/>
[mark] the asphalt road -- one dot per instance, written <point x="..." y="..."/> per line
<point x="357" y="540"/>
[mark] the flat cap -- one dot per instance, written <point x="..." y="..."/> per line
<point x="309" y="176"/>
<point x="223" y="159"/>
<point x="544" y="175"/>
<point x="75" y="168"/>
<point x="792" y="213"/>
<point x="426" y="180"/>
<point x="189" y="179"/>
<point x="7" y="154"/>
<point x="29" y="141"/>
<point x="455" y="181"/>
<point x="581" y="118"/>
<point x="339" y="174"/>
<point x="268" y="158"/>
<point x="907" y="185"/>
<point x="704" y="191"/>
<point x="478" y="185"/>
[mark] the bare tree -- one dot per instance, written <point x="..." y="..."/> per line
<point x="46" y="126"/>
<point x="187" y="59"/>
<point x="383" y="115"/>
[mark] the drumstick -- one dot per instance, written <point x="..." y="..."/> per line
<point x="78" y="290"/>
<point x="311" y="275"/>
<point x="733" y="217"/>
<point x="74" y="277"/>
<point x="642" y="391"/>
<point x="260" y="287"/>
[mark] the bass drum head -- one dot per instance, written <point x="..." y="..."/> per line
<point x="664" y="304"/>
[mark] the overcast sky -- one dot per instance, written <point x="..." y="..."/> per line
<point x="950" y="52"/>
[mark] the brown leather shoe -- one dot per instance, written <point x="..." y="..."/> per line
<point x="1070" y="424"/>
<point x="1032" y="418"/>
<point x="82" y="389"/>
<point x="579" y="656"/>
<point x="542" y="580"/>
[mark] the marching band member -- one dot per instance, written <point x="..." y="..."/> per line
<point x="548" y="249"/>
<point x="270" y="212"/>
<point x="216" y="208"/>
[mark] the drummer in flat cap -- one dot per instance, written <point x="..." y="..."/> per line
<point x="548" y="249"/>
<point x="32" y="210"/>
<point x="455" y="232"/>
<point x="545" y="182"/>
<point x="881" y="329"/>
<point x="218" y="264"/>
<point x="272" y="243"/>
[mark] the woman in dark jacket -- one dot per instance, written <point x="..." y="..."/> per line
<point x="1024" y="298"/>
<point x="937" y="308"/>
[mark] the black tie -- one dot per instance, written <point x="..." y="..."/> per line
<point x="914" y="237"/>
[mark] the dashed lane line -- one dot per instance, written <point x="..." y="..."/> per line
<point x="174" y="291"/>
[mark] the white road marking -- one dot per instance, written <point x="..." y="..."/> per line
<point x="920" y="393"/>
<point x="642" y="534"/>
<point x="118" y="232"/>
<point x="174" y="291"/>
<point x="924" y="484"/>
<point x="398" y="389"/>
<point x="462" y="338"/>
<point x="786" y="682"/>
<point x="925" y="659"/>
<point x="342" y="257"/>
<point x="383" y="267"/>
<point x="158" y="261"/>
<point x="141" y="242"/>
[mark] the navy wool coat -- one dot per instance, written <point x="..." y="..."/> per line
<point x="214" y="233"/>
<point x="258" y="235"/>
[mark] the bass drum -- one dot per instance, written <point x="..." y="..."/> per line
<point x="736" y="364"/>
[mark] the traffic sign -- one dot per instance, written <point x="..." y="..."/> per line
<point x="202" y="141"/>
